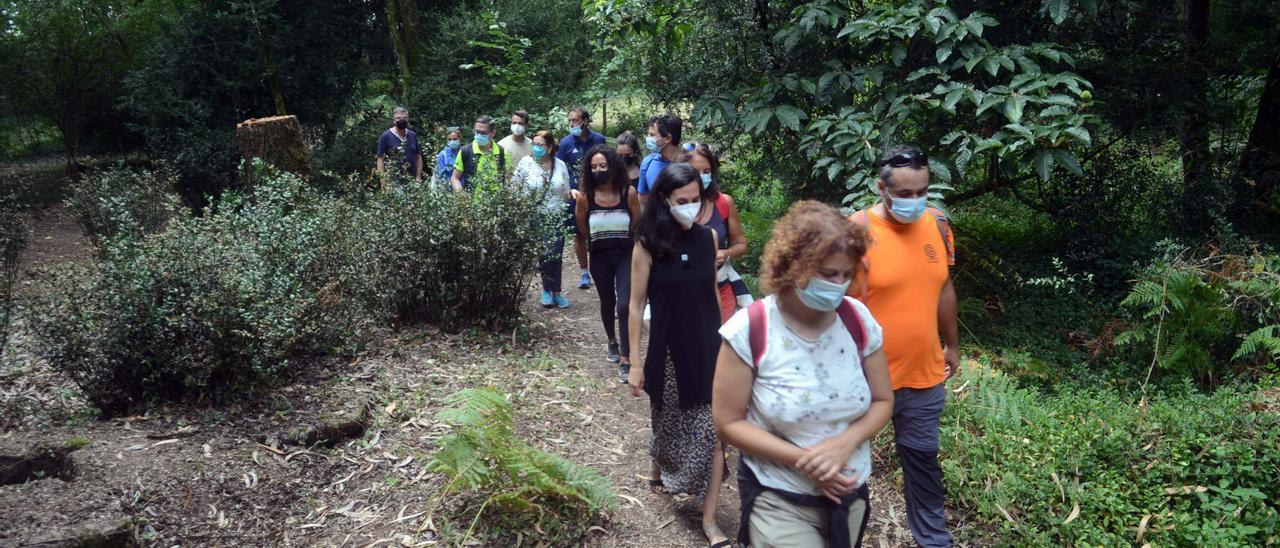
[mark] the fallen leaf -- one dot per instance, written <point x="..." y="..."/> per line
<point x="1142" y="527"/>
<point x="631" y="499"/>
<point x="1075" y="513"/>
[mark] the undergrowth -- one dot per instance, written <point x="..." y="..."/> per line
<point x="508" y="487"/>
<point x="1090" y="466"/>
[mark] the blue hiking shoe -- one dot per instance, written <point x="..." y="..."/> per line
<point x="547" y="301"/>
<point x="586" y="281"/>
<point x="561" y="301"/>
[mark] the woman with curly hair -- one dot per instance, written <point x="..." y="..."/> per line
<point x="607" y="216"/>
<point x="673" y="267"/>
<point x="801" y="387"/>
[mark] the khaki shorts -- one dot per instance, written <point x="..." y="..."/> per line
<point x="776" y="522"/>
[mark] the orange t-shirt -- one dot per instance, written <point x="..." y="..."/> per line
<point x="908" y="267"/>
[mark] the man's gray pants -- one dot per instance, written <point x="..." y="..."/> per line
<point x="916" y="415"/>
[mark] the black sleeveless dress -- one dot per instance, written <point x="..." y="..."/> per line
<point x="680" y="364"/>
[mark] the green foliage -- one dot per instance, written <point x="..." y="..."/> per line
<point x="1090" y="466"/>
<point x="512" y="75"/>
<point x="14" y="237"/>
<point x="65" y="61"/>
<point x="210" y="306"/>
<point x="518" y="488"/>
<point x="124" y="202"/>
<point x="205" y="72"/>
<point x="1194" y="310"/>
<point x="456" y="260"/>
<point x="920" y="68"/>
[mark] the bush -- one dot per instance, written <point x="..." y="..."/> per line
<point x="208" y="306"/>
<point x="514" y="488"/>
<point x="124" y="202"/>
<point x="13" y="241"/>
<point x="1090" y="466"/>
<point x="456" y="260"/>
<point x="1200" y="315"/>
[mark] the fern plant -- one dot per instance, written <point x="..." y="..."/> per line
<point x="1192" y="310"/>
<point x="516" y="488"/>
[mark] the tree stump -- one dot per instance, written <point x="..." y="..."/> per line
<point x="277" y="141"/>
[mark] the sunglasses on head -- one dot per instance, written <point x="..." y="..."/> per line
<point x="911" y="158"/>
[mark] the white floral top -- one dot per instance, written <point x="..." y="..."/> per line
<point x="534" y="178"/>
<point x="805" y="391"/>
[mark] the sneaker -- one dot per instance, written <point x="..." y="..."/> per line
<point x="613" y="353"/>
<point x="547" y="301"/>
<point x="624" y="370"/>
<point x="586" y="281"/>
<point x="561" y="301"/>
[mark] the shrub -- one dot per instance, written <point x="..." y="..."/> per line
<point x="124" y="202"/>
<point x="1090" y="466"/>
<point x="456" y="260"/>
<point x="13" y="241"/>
<point x="207" y="306"/>
<point x="514" y="487"/>
<point x="1201" y="314"/>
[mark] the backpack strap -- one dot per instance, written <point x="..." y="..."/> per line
<point x="757" y="333"/>
<point x="502" y="163"/>
<point x="852" y="322"/>
<point x="722" y="203"/>
<point x="944" y="228"/>
<point x="757" y="328"/>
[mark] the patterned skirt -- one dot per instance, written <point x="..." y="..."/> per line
<point x="684" y="440"/>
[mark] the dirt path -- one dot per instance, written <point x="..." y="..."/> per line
<point x="216" y="474"/>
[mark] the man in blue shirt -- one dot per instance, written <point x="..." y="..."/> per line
<point x="663" y="141"/>
<point x="580" y="139"/>
<point x="400" y="137"/>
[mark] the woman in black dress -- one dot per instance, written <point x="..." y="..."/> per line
<point x="673" y="267"/>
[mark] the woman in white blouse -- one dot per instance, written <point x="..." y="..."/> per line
<point x="801" y="387"/>
<point x="541" y="171"/>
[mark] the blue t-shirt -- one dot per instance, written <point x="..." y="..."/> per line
<point x="650" y="168"/>
<point x="571" y="151"/>
<point x="389" y="142"/>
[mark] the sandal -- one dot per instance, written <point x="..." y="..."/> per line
<point x="655" y="486"/>
<point x="726" y="543"/>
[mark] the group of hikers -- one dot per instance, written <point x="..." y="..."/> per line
<point x="858" y="326"/>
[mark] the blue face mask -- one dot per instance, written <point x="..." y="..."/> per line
<point x="907" y="210"/>
<point x="482" y="140"/>
<point x="455" y="144"/>
<point x="575" y="131"/>
<point x="822" y="295"/>
<point x="651" y="142"/>
<point x="539" y="151"/>
<point x="706" y="180"/>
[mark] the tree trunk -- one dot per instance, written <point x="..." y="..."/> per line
<point x="409" y="22"/>
<point x="276" y="92"/>
<point x="277" y="141"/>
<point x="397" y="43"/>
<point x="1260" y="162"/>
<point x="1201" y="196"/>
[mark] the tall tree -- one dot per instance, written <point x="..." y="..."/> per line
<point x="1201" y="196"/>
<point x="1259" y="195"/>
<point x="65" y="60"/>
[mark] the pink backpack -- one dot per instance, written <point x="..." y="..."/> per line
<point x="757" y="328"/>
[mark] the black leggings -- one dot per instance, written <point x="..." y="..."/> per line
<point x="611" y="270"/>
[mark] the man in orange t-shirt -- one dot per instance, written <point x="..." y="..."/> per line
<point x="908" y="289"/>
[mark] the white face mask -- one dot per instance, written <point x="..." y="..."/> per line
<point x="686" y="214"/>
<point x="517" y="129"/>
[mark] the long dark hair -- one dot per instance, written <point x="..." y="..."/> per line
<point x="657" y="229"/>
<point x="617" y="171"/>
